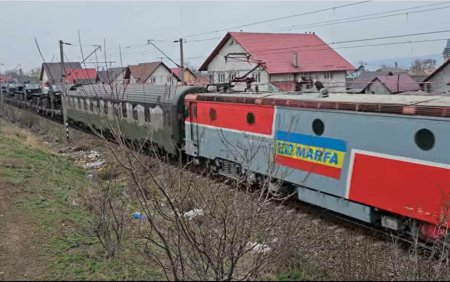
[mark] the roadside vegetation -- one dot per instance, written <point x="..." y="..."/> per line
<point x="45" y="188"/>
<point x="63" y="219"/>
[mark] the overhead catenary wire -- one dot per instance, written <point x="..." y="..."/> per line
<point x="277" y="19"/>
<point x="364" y="17"/>
<point x="279" y="50"/>
<point x="266" y="51"/>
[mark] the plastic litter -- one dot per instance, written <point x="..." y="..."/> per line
<point x="259" y="248"/>
<point x="93" y="155"/>
<point x="193" y="213"/>
<point x="95" y="164"/>
<point x="138" y="215"/>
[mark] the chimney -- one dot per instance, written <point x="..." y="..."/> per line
<point x="446" y="52"/>
<point x="295" y="59"/>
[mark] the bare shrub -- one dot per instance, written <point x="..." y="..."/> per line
<point x="195" y="228"/>
<point x="107" y="202"/>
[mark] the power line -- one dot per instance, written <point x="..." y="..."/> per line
<point x="277" y="19"/>
<point x="356" y="19"/>
<point x="275" y="50"/>
<point x="162" y="52"/>
<point x="379" y="17"/>
<point x="362" y="17"/>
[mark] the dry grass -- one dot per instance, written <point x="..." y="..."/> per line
<point x="23" y="136"/>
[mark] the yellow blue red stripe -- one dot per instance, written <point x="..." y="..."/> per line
<point x="320" y="155"/>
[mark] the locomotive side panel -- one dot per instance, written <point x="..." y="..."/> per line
<point x="239" y="133"/>
<point x="395" y="163"/>
<point x="345" y="161"/>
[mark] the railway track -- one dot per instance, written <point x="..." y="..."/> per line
<point x="328" y="217"/>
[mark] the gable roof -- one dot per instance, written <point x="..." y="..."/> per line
<point x="399" y="82"/>
<point x="143" y="71"/>
<point x="110" y="74"/>
<point x="275" y="50"/>
<point x="176" y="71"/>
<point x="441" y="67"/>
<point x="79" y="75"/>
<point x="365" y="78"/>
<point x="54" y="70"/>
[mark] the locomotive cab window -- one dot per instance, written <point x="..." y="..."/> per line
<point x="186" y="112"/>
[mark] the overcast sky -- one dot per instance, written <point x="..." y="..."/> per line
<point x="133" y="23"/>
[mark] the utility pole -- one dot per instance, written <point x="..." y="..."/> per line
<point x="181" y="61"/>
<point x="63" y="91"/>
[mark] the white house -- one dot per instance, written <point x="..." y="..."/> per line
<point x="156" y="73"/>
<point x="439" y="80"/>
<point x="289" y="61"/>
<point x="52" y="72"/>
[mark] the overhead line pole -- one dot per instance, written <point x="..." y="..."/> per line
<point x="63" y="90"/>
<point x="181" y="60"/>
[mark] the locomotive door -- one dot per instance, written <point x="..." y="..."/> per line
<point x="194" y="127"/>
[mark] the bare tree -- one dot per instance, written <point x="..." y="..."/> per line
<point x="34" y="73"/>
<point x="422" y="66"/>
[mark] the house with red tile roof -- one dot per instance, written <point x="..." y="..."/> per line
<point x="80" y="76"/>
<point x="156" y="73"/>
<point x="287" y="61"/>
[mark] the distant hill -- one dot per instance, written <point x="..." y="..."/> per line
<point x="403" y="62"/>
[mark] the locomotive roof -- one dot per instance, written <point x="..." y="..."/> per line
<point x="431" y="105"/>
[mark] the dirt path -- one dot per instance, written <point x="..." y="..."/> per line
<point x="19" y="259"/>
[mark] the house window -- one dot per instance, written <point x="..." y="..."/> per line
<point x="91" y="105"/>
<point x="85" y="104"/>
<point x="211" y="78"/>
<point x="169" y="79"/>
<point x="221" y="77"/>
<point x="232" y="76"/>
<point x="153" y="79"/>
<point x="257" y="76"/>
<point x="328" y="75"/>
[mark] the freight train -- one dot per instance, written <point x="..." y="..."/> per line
<point x="380" y="159"/>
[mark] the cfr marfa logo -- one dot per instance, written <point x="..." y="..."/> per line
<point x="319" y="155"/>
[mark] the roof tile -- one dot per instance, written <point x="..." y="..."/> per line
<point x="276" y="49"/>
